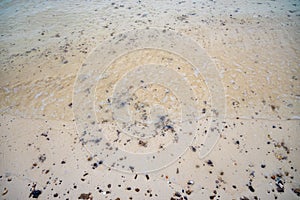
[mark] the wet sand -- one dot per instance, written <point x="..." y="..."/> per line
<point x="254" y="46"/>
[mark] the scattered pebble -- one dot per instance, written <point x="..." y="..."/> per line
<point x="35" y="194"/>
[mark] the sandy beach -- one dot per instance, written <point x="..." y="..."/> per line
<point x="150" y="100"/>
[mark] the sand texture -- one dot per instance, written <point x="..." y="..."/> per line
<point x="150" y="99"/>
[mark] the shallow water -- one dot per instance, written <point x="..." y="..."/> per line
<point x="216" y="120"/>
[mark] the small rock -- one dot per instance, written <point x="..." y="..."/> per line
<point x="5" y="191"/>
<point x="279" y="184"/>
<point x="85" y="196"/>
<point x="210" y="163"/>
<point x="35" y="194"/>
<point x="188" y="192"/>
<point x="297" y="191"/>
<point x="251" y="188"/>
<point x="177" y="194"/>
<point x="190" y="182"/>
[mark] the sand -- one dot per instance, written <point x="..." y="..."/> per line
<point x="247" y="80"/>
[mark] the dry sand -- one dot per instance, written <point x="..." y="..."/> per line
<point x="254" y="46"/>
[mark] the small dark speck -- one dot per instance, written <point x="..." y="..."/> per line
<point x="128" y="188"/>
<point x="177" y="194"/>
<point x="251" y="188"/>
<point x="188" y="192"/>
<point x="131" y="168"/>
<point x="210" y="163"/>
<point x="95" y="165"/>
<point x="273" y="107"/>
<point x="42" y="158"/>
<point x="142" y="143"/>
<point x="84" y="196"/>
<point x="193" y="149"/>
<point x="35" y="194"/>
<point x="263" y="166"/>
